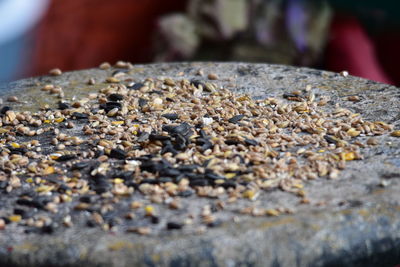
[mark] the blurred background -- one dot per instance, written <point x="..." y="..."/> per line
<point x="361" y="37"/>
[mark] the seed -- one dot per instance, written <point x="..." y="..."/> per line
<point x="174" y="225"/>
<point x="135" y="86"/>
<point x="149" y="210"/>
<point x="115" y="97"/>
<point x="395" y="133"/>
<point x="11" y="115"/>
<point x="140" y="230"/>
<point x="157" y="101"/>
<point x="122" y="64"/>
<point x="112" y="80"/>
<point x="66" y="157"/>
<point x="55" y="72"/>
<point x="347" y="156"/>
<point x="175" y="204"/>
<point x="353" y="98"/>
<point x="169" y="82"/>
<point x="236" y="119"/>
<point x="135" y="205"/>
<point x="112" y="112"/>
<point x="47" y="87"/>
<point x="171" y="116"/>
<point x="105" y="66"/>
<point x="91" y="81"/>
<point x="344" y="73"/>
<point x="212" y="76"/>
<point x="272" y="212"/>
<point x="80" y="116"/>
<point x="372" y="141"/>
<point x="117" y="153"/>
<point x="12" y="99"/>
<point x="15" y="218"/>
<point x="353" y="132"/>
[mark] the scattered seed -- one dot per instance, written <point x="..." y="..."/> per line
<point x="12" y="99"/>
<point x="212" y="76"/>
<point x="174" y="225"/>
<point x="117" y="153"/>
<point x="395" y="133"/>
<point x="55" y="72"/>
<point x="236" y="119"/>
<point x="171" y="116"/>
<point x="133" y="146"/>
<point x="372" y="141"/>
<point x="105" y="66"/>
<point x="353" y="98"/>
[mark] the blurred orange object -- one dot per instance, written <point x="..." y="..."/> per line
<point x="78" y="34"/>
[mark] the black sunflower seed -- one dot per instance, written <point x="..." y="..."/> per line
<point x="110" y="105"/>
<point x="135" y="86"/>
<point x="330" y="139"/>
<point x="80" y="116"/>
<point x="87" y="199"/>
<point x="117" y="153"/>
<point x="186" y="193"/>
<point x="199" y="182"/>
<point x="171" y="116"/>
<point x="63" y="105"/>
<point x="155" y="219"/>
<point x="66" y="157"/>
<point x="236" y="119"/>
<point x="142" y="102"/>
<point x="197" y="83"/>
<point x="215" y="223"/>
<point x="80" y="165"/>
<point x="250" y="142"/>
<point x="228" y="184"/>
<point x="158" y="92"/>
<point x="230" y="142"/>
<point x="289" y="95"/>
<point x="174" y="225"/>
<point x="5" y="109"/>
<point x="115" y="97"/>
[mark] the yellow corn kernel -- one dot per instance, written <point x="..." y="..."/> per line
<point x="58" y="120"/>
<point x="15" y="218"/>
<point x="149" y="210"/>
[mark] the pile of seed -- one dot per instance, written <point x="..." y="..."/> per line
<point x="161" y="140"/>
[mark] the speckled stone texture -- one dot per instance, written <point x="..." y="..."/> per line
<point x="351" y="221"/>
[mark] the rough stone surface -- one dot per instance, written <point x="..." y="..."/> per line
<point x="351" y="221"/>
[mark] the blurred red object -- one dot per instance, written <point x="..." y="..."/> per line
<point x="351" y="49"/>
<point x="78" y="34"/>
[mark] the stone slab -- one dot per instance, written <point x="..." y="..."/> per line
<point x="351" y="221"/>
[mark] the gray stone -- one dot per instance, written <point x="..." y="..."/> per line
<point x="351" y="221"/>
